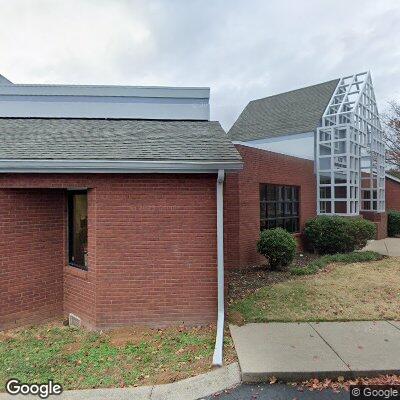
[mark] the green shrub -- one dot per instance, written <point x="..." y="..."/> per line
<point x="393" y="223"/>
<point x="278" y="246"/>
<point x="333" y="234"/>
<point x="361" y="230"/>
<point x="327" y="235"/>
<point x="345" y="258"/>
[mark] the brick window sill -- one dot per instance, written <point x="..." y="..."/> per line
<point x="73" y="271"/>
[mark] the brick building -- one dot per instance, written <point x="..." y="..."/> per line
<point x="111" y="207"/>
<point x="242" y="195"/>
<point x="110" y="221"/>
<point x="392" y="192"/>
<point x="314" y="150"/>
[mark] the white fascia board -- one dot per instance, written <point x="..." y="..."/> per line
<point x="301" y="145"/>
<point x="115" y="166"/>
<point x="106" y="91"/>
<point x="104" y="107"/>
<point x="276" y="139"/>
<point x="393" y="178"/>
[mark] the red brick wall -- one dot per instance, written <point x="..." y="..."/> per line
<point x="152" y="241"/>
<point x="392" y="195"/>
<point x="392" y="203"/>
<point x="380" y="221"/>
<point x="152" y="249"/>
<point x="231" y="220"/>
<point x="242" y="198"/>
<point x="31" y="255"/>
<point x="156" y="251"/>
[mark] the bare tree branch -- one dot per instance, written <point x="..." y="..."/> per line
<point x="391" y="125"/>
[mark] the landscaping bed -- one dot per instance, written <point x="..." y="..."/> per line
<point x="244" y="281"/>
<point x="338" y="291"/>
<point x="79" y="359"/>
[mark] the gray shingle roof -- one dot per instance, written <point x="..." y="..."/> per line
<point x="83" y="139"/>
<point x="297" y="111"/>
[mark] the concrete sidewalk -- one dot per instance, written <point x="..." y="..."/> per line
<point x="300" y="351"/>
<point x="388" y="247"/>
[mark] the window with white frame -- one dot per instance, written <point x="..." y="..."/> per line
<point x="350" y="153"/>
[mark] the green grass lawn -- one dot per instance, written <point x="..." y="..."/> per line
<point x="80" y="359"/>
<point x="358" y="291"/>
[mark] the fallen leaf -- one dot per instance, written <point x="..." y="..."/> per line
<point x="272" y="380"/>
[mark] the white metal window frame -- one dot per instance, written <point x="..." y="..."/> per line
<point x="350" y="142"/>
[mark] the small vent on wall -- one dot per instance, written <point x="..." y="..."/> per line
<point x="74" y="321"/>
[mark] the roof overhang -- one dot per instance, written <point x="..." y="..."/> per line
<point x="115" y="166"/>
<point x="393" y="178"/>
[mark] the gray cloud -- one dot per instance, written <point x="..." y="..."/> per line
<point x="241" y="49"/>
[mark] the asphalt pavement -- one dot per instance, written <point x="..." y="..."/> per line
<point x="277" y="391"/>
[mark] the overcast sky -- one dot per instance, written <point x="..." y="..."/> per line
<point x="242" y="49"/>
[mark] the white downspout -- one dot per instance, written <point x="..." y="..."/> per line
<point x="219" y="340"/>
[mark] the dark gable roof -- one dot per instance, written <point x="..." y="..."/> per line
<point x="297" y="111"/>
<point x="85" y="139"/>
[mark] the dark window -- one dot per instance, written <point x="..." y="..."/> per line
<point x="77" y="229"/>
<point x="279" y="207"/>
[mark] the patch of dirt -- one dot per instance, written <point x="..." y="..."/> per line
<point x="303" y="259"/>
<point x="167" y="376"/>
<point x="196" y="367"/>
<point x="71" y="348"/>
<point x="245" y="281"/>
<point x="5" y="336"/>
<point x="135" y="335"/>
<point x="15" y="333"/>
<point x="236" y="318"/>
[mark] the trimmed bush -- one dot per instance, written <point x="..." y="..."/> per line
<point x="278" y="246"/>
<point x="393" y="223"/>
<point x="333" y="234"/>
<point x="362" y="230"/>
